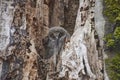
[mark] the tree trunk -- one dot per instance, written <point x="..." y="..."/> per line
<point x="82" y="58"/>
<point x="21" y="31"/>
<point x="23" y="25"/>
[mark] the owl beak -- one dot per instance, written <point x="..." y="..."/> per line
<point x="57" y="37"/>
<point x="57" y="41"/>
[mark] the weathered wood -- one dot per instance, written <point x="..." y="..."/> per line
<point x="22" y="29"/>
<point x="82" y="58"/>
<point x="23" y="25"/>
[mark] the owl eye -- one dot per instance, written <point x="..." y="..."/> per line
<point x="52" y="36"/>
<point x="61" y="34"/>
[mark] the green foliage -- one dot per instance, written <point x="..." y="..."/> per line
<point x="111" y="43"/>
<point x="112" y="12"/>
<point x="118" y="17"/>
<point x="109" y="36"/>
<point x="117" y="33"/>
<point x="113" y="39"/>
<point x="114" y="67"/>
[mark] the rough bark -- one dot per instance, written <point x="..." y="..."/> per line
<point x="56" y="13"/>
<point x="63" y="13"/>
<point x="22" y="29"/>
<point x="82" y="59"/>
<point x="23" y="25"/>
